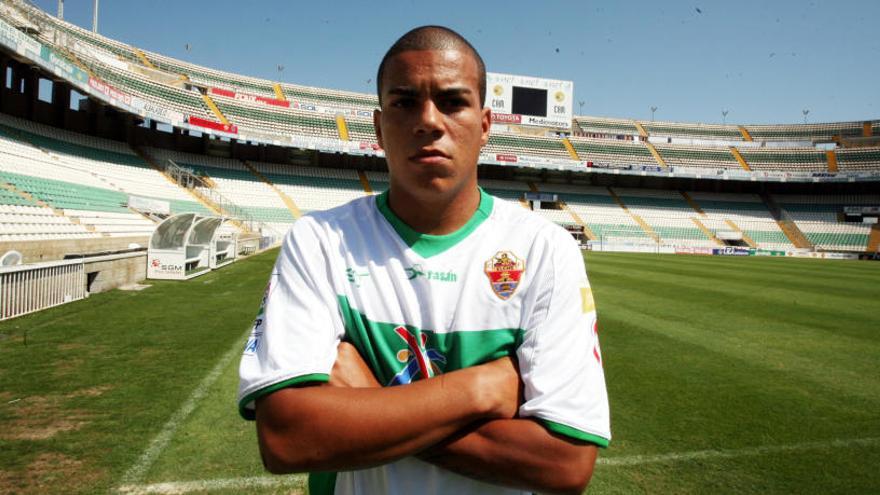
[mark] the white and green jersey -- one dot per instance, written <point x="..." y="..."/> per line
<point x="507" y="283"/>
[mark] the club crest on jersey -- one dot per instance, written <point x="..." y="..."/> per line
<point x="417" y="358"/>
<point x="504" y="271"/>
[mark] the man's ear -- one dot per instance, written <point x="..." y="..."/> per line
<point x="486" y="123"/>
<point x="377" y="117"/>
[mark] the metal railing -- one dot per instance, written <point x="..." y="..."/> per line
<point x="187" y="179"/>
<point x="28" y="288"/>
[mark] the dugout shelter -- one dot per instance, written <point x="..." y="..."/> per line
<point x="187" y="245"/>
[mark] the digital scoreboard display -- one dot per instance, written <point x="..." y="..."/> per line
<point x="531" y="101"/>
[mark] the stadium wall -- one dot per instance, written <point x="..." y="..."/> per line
<point x="106" y="275"/>
<point x="58" y="249"/>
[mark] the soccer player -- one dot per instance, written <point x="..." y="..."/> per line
<point x="432" y="339"/>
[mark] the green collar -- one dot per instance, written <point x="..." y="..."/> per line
<point x="427" y="245"/>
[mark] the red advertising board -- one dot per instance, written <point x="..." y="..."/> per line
<point x="506" y="118"/>
<point x="210" y="124"/>
<point x="109" y="91"/>
<point x="251" y="98"/>
<point x="506" y="158"/>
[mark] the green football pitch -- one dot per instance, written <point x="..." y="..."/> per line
<point x="725" y="375"/>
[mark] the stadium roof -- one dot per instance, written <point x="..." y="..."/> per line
<point x="762" y="62"/>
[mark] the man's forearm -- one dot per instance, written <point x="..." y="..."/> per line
<point x="518" y="453"/>
<point x="328" y="428"/>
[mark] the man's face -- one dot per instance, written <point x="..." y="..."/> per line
<point x="432" y="123"/>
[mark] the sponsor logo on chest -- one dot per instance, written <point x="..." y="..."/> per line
<point x="417" y="271"/>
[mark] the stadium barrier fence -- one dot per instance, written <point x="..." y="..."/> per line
<point x="34" y="287"/>
<point x="28" y="288"/>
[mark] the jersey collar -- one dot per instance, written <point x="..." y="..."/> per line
<point x="427" y="245"/>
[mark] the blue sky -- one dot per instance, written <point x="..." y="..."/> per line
<point x="763" y="61"/>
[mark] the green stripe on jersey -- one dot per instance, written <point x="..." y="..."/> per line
<point x="322" y="483"/>
<point x="570" y="432"/>
<point x="401" y="353"/>
<point x="427" y="245"/>
<point x="249" y="414"/>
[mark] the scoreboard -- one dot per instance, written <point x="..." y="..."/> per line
<point x="532" y="101"/>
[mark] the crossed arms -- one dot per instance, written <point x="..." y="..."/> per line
<point x="464" y="421"/>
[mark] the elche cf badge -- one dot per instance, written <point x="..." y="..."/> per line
<point x="504" y="271"/>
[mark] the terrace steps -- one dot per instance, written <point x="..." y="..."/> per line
<point x="786" y="224"/>
<point x="831" y="157"/>
<point x="580" y="221"/>
<point x="794" y="234"/>
<point x="705" y="230"/>
<point x="55" y="211"/>
<point x="693" y="204"/>
<point x="143" y="58"/>
<point x="659" y="159"/>
<point x="209" y="102"/>
<point x="342" y="127"/>
<point x="745" y="237"/>
<point x="200" y="198"/>
<point x="26" y="195"/>
<point x="279" y="94"/>
<point x="79" y="63"/>
<point x="874" y="239"/>
<point x="522" y="200"/>
<point x="365" y="181"/>
<point x="570" y="149"/>
<point x="745" y="133"/>
<point x="639" y="127"/>
<point x="562" y="204"/>
<point x="639" y="220"/>
<point x="287" y="200"/>
<point x="742" y="161"/>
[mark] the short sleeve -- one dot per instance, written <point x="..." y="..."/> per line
<point x="560" y="359"/>
<point x="298" y="327"/>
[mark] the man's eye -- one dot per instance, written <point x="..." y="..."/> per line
<point x="403" y="103"/>
<point x="454" y="103"/>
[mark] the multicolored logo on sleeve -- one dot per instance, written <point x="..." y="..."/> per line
<point x="418" y="359"/>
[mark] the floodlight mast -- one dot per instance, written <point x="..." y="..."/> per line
<point x="61" y="9"/>
<point x="95" y="18"/>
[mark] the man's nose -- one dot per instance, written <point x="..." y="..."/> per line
<point x="430" y="119"/>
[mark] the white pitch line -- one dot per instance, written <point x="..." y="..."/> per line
<point x="238" y="484"/>
<point x="137" y="471"/>
<point x="298" y="481"/>
<point x="637" y="460"/>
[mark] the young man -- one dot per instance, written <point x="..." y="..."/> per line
<point x="431" y="339"/>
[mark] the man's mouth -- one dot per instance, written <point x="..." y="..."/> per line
<point x="429" y="156"/>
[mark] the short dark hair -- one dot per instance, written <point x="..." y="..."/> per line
<point x="433" y="38"/>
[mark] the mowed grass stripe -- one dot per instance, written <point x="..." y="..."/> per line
<point x="288" y="485"/>
<point x="99" y="378"/>
<point x="762" y="325"/>
<point x="701" y="355"/>
<point x="750" y="340"/>
<point x="214" y="440"/>
<point x="686" y="374"/>
<point x="769" y="287"/>
<point x="297" y="482"/>
<point x="136" y="473"/>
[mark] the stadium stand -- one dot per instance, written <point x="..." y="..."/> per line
<point x="819" y="217"/>
<point x="128" y="137"/>
<point x="744" y="213"/>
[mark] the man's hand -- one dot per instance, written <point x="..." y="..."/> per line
<point x="502" y="380"/>
<point x="350" y="370"/>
